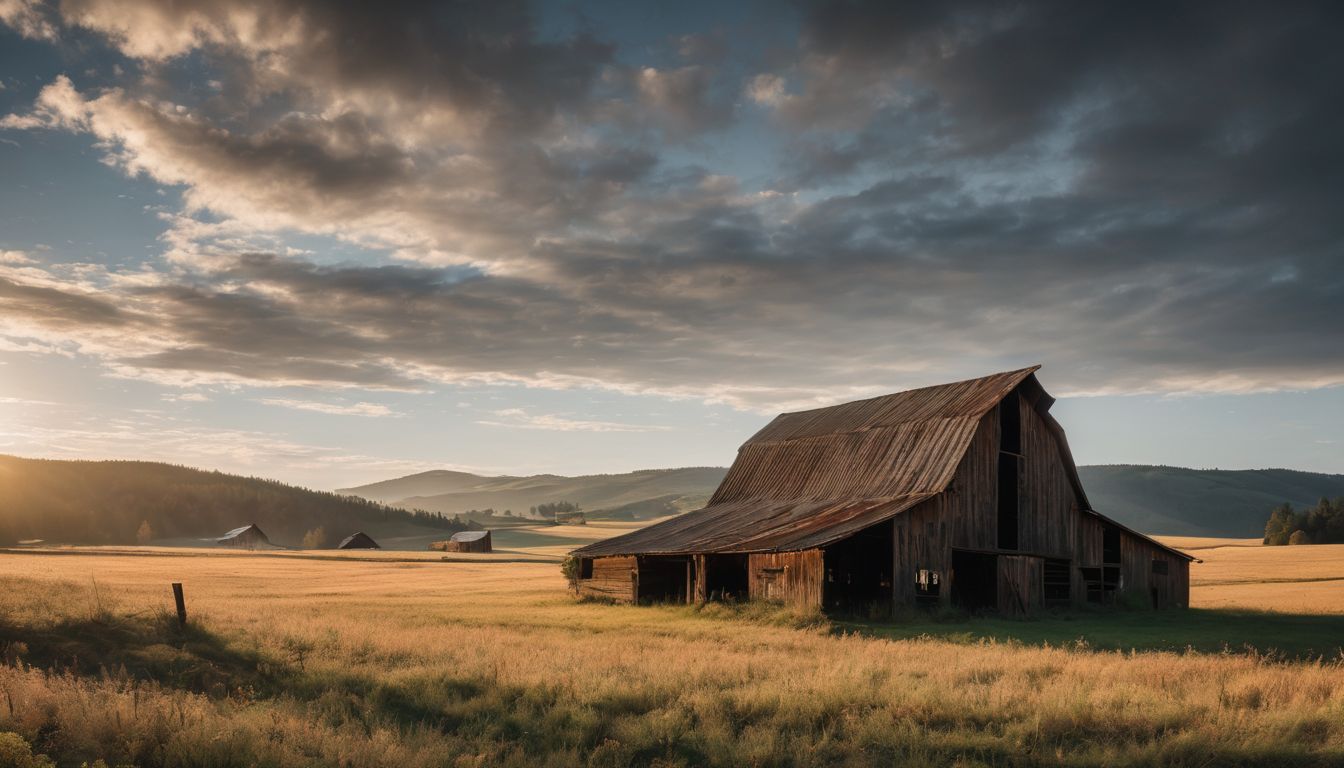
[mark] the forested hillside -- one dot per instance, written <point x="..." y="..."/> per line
<point x="122" y="502"/>
<point x="1201" y="502"/>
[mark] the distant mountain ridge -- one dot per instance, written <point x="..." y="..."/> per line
<point x="1155" y="499"/>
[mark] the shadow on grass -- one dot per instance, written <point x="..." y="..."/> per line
<point x="148" y="648"/>
<point x="1291" y="636"/>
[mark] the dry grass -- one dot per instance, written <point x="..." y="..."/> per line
<point x="396" y="661"/>
<point x="1303" y="579"/>
<point x="1190" y="543"/>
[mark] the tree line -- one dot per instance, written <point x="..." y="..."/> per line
<point x="555" y="509"/>
<point x="1321" y="524"/>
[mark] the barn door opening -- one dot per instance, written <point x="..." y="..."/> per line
<point x="727" y="577"/>
<point x="665" y="579"/>
<point x="859" y="571"/>
<point x="975" y="581"/>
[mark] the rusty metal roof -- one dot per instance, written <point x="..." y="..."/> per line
<point x="814" y="477"/>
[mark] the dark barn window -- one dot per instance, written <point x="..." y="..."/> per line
<point x="1092" y="583"/>
<point x="1007" y="501"/>
<point x="1057" y="587"/>
<point x="1010" y="424"/>
<point x="1110" y="544"/>
<point x="586" y="568"/>
<point x="927" y="587"/>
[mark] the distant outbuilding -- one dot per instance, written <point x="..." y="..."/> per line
<point x="247" y="537"/>
<point x="358" y="540"/>
<point x="465" y="541"/>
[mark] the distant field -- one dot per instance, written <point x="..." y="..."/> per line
<point x="401" y="659"/>
<point x="1241" y="574"/>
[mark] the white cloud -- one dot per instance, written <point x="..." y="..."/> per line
<point x="186" y="397"/>
<point x="335" y="409"/>
<point x="518" y="418"/>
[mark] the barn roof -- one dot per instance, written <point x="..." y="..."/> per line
<point x="814" y="477"/>
<point x="358" y="540"/>
<point x="469" y="536"/>
<point x="240" y="531"/>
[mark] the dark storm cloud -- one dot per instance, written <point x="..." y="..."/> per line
<point x="1142" y="196"/>
<point x="481" y="58"/>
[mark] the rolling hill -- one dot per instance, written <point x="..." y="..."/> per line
<point x="1155" y="499"/>
<point x="106" y="502"/>
<point x="1201" y="502"/>
<point x="630" y="496"/>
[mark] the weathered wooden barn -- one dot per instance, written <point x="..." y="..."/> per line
<point x="465" y="541"/>
<point x="246" y="537"/>
<point x="961" y="494"/>
<point x="358" y="540"/>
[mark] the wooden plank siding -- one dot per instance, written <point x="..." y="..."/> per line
<point x="613" y="579"/>
<point x="1021" y="584"/>
<point x="1047" y="504"/>
<point x="794" y="578"/>
<point x="1050" y="523"/>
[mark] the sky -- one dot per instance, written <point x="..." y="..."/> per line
<point x="336" y="243"/>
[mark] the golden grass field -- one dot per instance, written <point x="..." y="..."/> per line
<point x="403" y="659"/>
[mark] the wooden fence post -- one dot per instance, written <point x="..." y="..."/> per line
<point x="181" y="604"/>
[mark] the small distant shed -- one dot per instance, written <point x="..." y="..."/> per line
<point x="358" y="540"/>
<point x="465" y="541"/>
<point x="247" y="537"/>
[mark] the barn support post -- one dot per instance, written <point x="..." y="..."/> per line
<point x="701" y="579"/>
<point x="181" y="604"/>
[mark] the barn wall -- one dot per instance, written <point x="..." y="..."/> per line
<point x="1142" y="579"/>
<point x="1050" y="524"/>
<point x="1138" y="581"/>
<point x="790" y="577"/>
<point x="613" y="579"/>
<point x="1047" y="504"/>
<point x="965" y="516"/>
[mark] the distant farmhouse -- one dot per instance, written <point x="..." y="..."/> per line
<point x="247" y="537"/>
<point x="465" y="541"/>
<point x="961" y="494"/>
<point x="359" y="540"/>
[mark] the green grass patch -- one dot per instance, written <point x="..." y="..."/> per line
<point x="1292" y="636"/>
